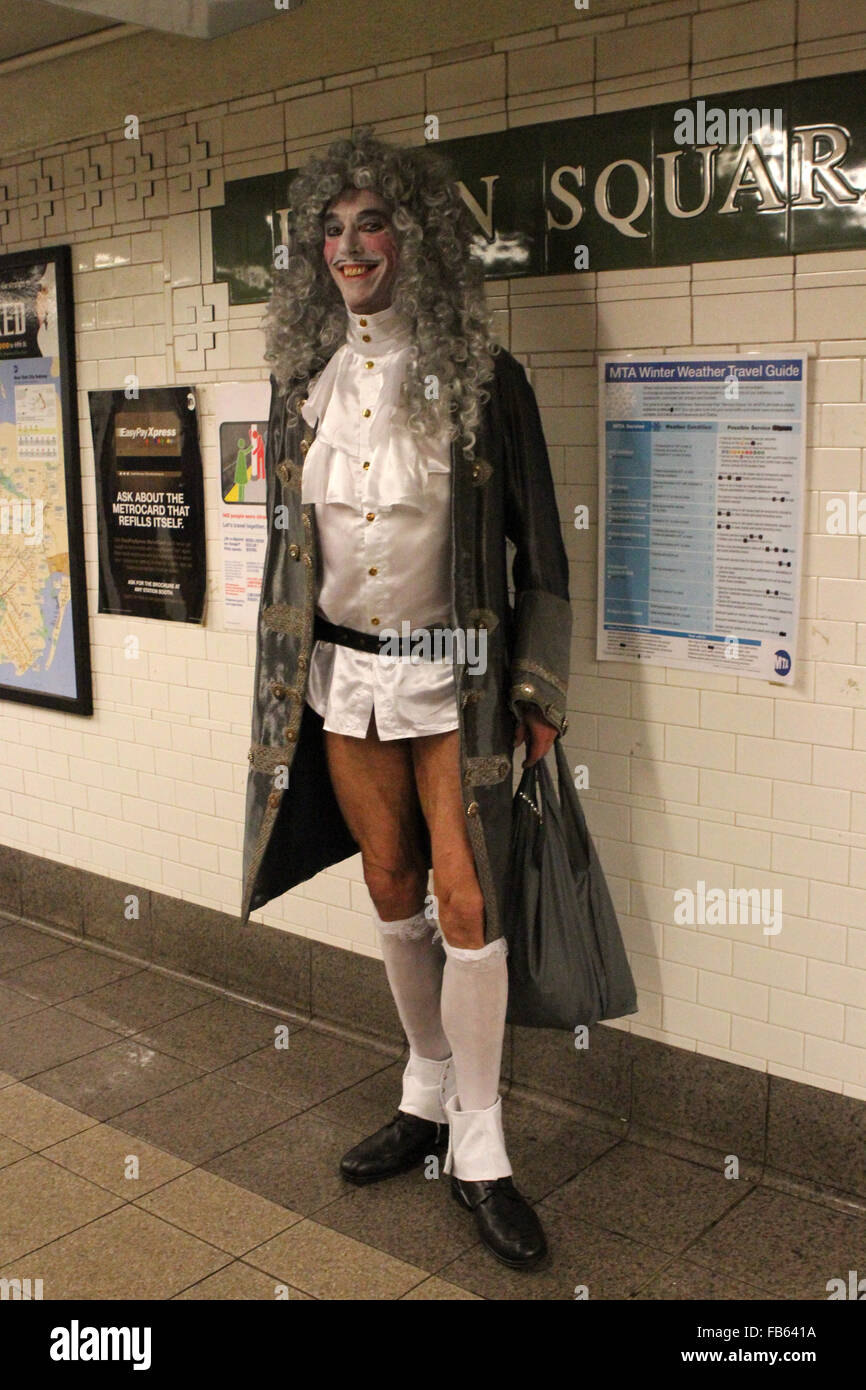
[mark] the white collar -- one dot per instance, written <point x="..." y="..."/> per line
<point x="374" y="335"/>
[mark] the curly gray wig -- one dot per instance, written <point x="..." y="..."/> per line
<point x="439" y="287"/>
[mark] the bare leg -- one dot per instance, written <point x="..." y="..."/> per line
<point x="375" y="788"/>
<point x="461" y="902"/>
<point x="475" y="979"/>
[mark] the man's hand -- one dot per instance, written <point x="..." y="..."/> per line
<point x="538" y="734"/>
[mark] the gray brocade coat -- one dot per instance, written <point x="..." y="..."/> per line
<point x="294" y="827"/>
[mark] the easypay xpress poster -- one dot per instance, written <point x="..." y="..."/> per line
<point x="150" y="503"/>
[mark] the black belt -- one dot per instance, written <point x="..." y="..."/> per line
<point x="323" y="631"/>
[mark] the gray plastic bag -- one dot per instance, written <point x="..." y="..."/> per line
<point x="566" y="961"/>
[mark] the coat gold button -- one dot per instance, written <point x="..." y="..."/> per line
<point x="472" y="808"/>
<point x="278" y="690"/>
<point x="291" y="735"/>
<point x="304" y="446"/>
<point x="308" y="560"/>
<point x="527" y="690"/>
<point x="294" y="552"/>
<point x="481" y="471"/>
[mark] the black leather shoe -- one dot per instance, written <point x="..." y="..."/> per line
<point x="506" y="1222"/>
<point x="401" y="1144"/>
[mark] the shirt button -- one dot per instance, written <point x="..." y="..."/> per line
<point x="365" y="338"/>
<point x="373" y="570"/>
<point x="375" y="622"/>
<point x="370" y="516"/>
<point x="366" y="414"/>
<point x="369" y="364"/>
<point x="363" y="323"/>
<point x="366" y="465"/>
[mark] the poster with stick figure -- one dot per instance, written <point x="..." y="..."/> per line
<point x="235" y="427"/>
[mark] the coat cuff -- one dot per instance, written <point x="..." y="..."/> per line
<point x="540" y="658"/>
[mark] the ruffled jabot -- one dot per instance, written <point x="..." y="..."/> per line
<point x="402" y="460"/>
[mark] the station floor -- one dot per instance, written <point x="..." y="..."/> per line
<point x="154" y="1143"/>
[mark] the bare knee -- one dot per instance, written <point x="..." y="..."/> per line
<point x="396" y="892"/>
<point x="461" y="915"/>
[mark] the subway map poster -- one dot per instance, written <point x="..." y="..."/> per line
<point x="44" y="652"/>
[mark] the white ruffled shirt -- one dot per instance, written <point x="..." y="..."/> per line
<point x="383" y="519"/>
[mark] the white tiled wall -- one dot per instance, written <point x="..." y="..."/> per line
<point x="736" y="782"/>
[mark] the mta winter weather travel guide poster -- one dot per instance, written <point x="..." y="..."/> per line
<point x="702" y="466"/>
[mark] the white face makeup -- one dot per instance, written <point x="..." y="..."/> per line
<point x="361" y="250"/>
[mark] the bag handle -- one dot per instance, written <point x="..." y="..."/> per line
<point x="573" y="819"/>
<point x="537" y="784"/>
<point x="528" y="799"/>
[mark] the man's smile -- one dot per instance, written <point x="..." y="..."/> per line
<point x="354" y="269"/>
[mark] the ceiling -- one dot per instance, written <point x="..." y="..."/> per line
<point x="28" y="26"/>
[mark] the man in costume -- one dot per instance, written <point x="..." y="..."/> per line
<point x="404" y="451"/>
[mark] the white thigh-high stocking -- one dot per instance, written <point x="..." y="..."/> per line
<point x="414" y="961"/>
<point x="474" y="1001"/>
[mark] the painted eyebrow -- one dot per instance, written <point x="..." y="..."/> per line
<point x="364" y="212"/>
